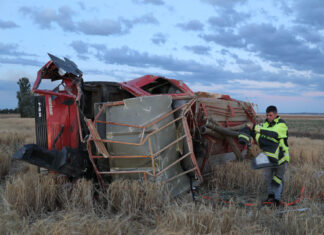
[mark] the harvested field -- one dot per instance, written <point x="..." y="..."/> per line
<point x="40" y="204"/>
<point x="11" y="115"/>
<point x="302" y="117"/>
<point x="311" y="126"/>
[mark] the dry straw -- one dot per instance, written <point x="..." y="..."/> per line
<point x="237" y="175"/>
<point x="75" y="222"/>
<point x="76" y="196"/>
<point x="31" y="194"/>
<point x="42" y="204"/>
<point x="191" y="219"/>
<point x="305" y="151"/>
<point x="5" y="164"/>
<point x="135" y="197"/>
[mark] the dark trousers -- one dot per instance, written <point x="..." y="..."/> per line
<point x="274" y="188"/>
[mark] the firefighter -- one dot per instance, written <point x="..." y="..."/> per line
<point x="272" y="138"/>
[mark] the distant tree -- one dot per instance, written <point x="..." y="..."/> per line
<point x="6" y="110"/>
<point x="25" y="98"/>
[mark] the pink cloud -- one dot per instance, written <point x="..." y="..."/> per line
<point x="315" y="93"/>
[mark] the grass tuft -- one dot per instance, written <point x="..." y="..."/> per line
<point x="43" y="204"/>
<point x="5" y="164"/>
<point x="137" y="197"/>
<point x="31" y="193"/>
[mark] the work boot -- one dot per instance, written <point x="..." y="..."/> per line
<point x="269" y="201"/>
<point x="276" y="203"/>
<point x="271" y="198"/>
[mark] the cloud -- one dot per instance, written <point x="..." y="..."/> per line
<point x="7" y="24"/>
<point x="308" y="34"/>
<point x="228" y="18"/>
<point x="310" y="12"/>
<point x="46" y="18"/>
<point x="313" y="93"/>
<point x="284" y="6"/>
<point x="130" y="57"/>
<point x="80" y="47"/>
<point x="145" y="19"/>
<point x="12" y="50"/>
<point x="262" y="84"/>
<point x="22" y="61"/>
<point x="104" y="27"/>
<point x="256" y="83"/>
<point x="65" y="18"/>
<point x="153" y="2"/>
<point x="280" y="45"/>
<point x="248" y="66"/>
<point x="8" y="49"/>
<point x="9" y="54"/>
<point x="226" y="38"/>
<point x="227" y="52"/>
<point x="200" y="50"/>
<point x="43" y="18"/>
<point x="229" y="4"/>
<point x="81" y="5"/>
<point x="209" y="87"/>
<point x="159" y="39"/>
<point x="299" y="47"/>
<point x="192" y="70"/>
<point x="108" y="27"/>
<point x="189" y="70"/>
<point x="193" y="25"/>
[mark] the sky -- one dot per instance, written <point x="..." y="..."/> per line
<point x="265" y="52"/>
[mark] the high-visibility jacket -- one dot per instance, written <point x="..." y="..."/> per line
<point x="273" y="140"/>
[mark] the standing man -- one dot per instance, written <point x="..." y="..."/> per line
<point x="272" y="137"/>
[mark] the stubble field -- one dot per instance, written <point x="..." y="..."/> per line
<point x="33" y="203"/>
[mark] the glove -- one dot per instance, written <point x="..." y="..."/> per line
<point x="244" y="139"/>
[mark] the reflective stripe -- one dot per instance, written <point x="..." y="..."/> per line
<point x="276" y="179"/>
<point x="271" y="155"/>
<point x="274" y="155"/>
<point x="244" y="137"/>
<point x="270" y="138"/>
<point x="286" y="157"/>
<point x="285" y="149"/>
<point x="257" y="138"/>
<point x="257" y="128"/>
<point x="283" y="145"/>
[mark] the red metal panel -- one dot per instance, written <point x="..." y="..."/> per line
<point x="134" y="86"/>
<point x="39" y="75"/>
<point x="58" y="114"/>
<point x="182" y="86"/>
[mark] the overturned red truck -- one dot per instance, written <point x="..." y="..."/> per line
<point x="150" y="128"/>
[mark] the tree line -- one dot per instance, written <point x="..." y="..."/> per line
<point x="9" y="110"/>
<point x="26" y="104"/>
